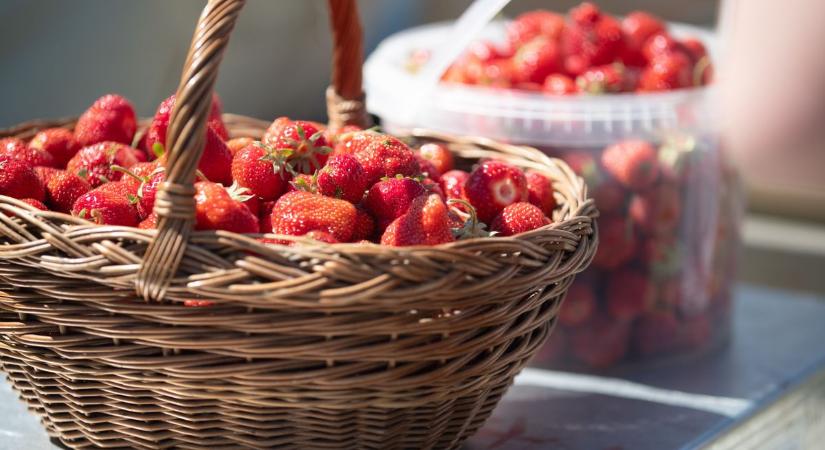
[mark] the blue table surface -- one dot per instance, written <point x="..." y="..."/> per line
<point x="776" y="344"/>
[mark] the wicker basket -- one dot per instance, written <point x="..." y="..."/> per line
<point x="308" y="346"/>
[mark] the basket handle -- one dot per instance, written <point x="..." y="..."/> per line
<point x="175" y="202"/>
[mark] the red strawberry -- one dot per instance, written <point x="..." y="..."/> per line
<point x="216" y="161"/>
<point x="498" y="73"/>
<point x="424" y="223"/>
<point x="537" y="59"/>
<point x="657" y="210"/>
<point x="667" y="72"/>
<point x="149" y="223"/>
<point x="309" y="146"/>
<point x="354" y="141"/>
<point x="297" y="213"/>
<point x="322" y="236"/>
<point x="433" y="187"/>
<point x="145" y="188"/>
<point x="105" y="206"/>
<point x="215" y="209"/>
<point x="120" y="189"/>
<point x="695" y="49"/>
<point x="530" y="25"/>
<point x="18" y="180"/>
<point x="94" y="163"/>
<point x="591" y="39"/>
<point x="252" y="203"/>
<point x="16" y="149"/>
<point x="427" y="167"/>
<point x="485" y="51"/>
<point x="602" y="79"/>
<point x="63" y="189"/>
<point x="44" y="173"/>
<point x="36" y="204"/>
<point x="391" y="198"/>
<point x="601" y="343"/>
<point x="617" y="243"/>
<point x="238" y="144"/>
<point x="265" y="216"/>
<point x="540" y="192"/>
<point x="579" y="305"/>
<point x="452" y="183"/>
<point x="156" y="134"/>
<point x="609" y="197"/>
<point x="660" y="44"/>
<point x="387" y="157"/>
<point x="364" y="226"/>
<point x="518" y="218"/>
<point x="261" y="170"/>
<point x="629" y="294"/>
<point x="439" y="155"/>
<point x="343" y="177"/>
<point x="492" y="186"/>
<point x="140" y="171"/>
<point x="58" y="142"/>
<point x="302" y="182"/>
<point x="558" y="84"/>
<point x="655" y="333"/>
<point x="111" y="118"/>
<point x="638" y="26"/>
<point x="633" y="163"/>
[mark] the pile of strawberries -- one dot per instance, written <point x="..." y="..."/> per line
<point x="588" y="52"/>
<point x="300" y="180"/>
<point x="650" y="289"/>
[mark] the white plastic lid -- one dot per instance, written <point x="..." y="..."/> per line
<point x="403" y="102"/>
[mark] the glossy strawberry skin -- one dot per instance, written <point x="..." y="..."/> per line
<point x="97" y="160"/>
<point x="254" y="167"/>
<point x="532" y="24"/>
<point x="518" y="218"/>
<point x="63" y="188"/>
<point x="343" y="177"/>
<point x="149" y="223"/>
<point x="391" y="198"/>
<point x="559" y="84"/>
<point x="591" y="39"/>
<point x="439" y="155"/>
<point x="297" y="213"/>
<point x="387" y="157"/>
<point x="306" y="139"/>
<point x="111" y="118"/>
<point x="58" y="142"/>
<point x="494" y="185"/>
<point x="215" y="209"/>
<point x="537" y="59"/>
<point x="147" y="191"/>
<point x="426" y="222"/>
<point x="638" y="26"/>
<point x="540" y="192"/>
<point x="667" y="72"/>
<point x="105" y="207"/>
<point x="216" y="160"/>
<point x="354" y="142"/>
<point x="18" y="180"/>
<point x="633" y="163"/>
<point x="452" y="183"/>
<point x="17" y="149"/>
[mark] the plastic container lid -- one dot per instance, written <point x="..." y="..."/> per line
<point x="403" y="102"/>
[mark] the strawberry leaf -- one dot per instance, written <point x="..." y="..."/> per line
<point x="158" y="149"/>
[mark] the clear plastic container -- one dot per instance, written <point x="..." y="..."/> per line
<point x="661" y="284"/>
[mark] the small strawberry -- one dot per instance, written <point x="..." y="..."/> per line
<point x="156" y="133"/>
<point x="657" y="210"/>
<point x="364" y="226"/>
<point x="391" y="197"/>
<point x="18" y="180"/>
<point x="343" y="177"/>
<point x="297" y="213"/>
<point x="493" y="185"/>
<point x="146" y="188"/>
<point x="610" y="197"/>
<point x="387" y="157"/>
<point x="530" y="25"/>
<point x="238" y="144"/>
<point x="58" y="142"/>
<point x="452" y="183"/>
<point x="617" y="243"/>
<point x="661" y="44"/>
<point x="149" y="223"/>
<point x="439" y="155"/>
<point x="216" y="161"/>
<point x="602" y="79"/>
<point x="265" y="216"/>
<point x="309" y="146"/>
<point x="105" y="206"/>
<point x="633" y="163"/>
<point x="540" y="192"/>
<point x="590" y="39"/>
<point x="518" y="218"/>
<point x="63" y="189"/>
<point x="215" y="209"/>
<point x="16" y="149"/>
<point x="638" y="26"/>
<point x="262" y="170"/>
<point x="558" y="84"/>
<point x="579" y="304"/>
<point x="537" y="59"/>
<point x="629" y="293"/>
<point x="667" y="72"/>
<point x="424" y="223"/>
<point x="94" y="163"/>
<point x="111" y="118"/>
<point x="601" y="342"/>
<point x="427" y="168"/>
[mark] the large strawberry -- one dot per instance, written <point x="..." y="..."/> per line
<point x="387" y="157"/>
<point x="425" y="223"/>
<point x="106" y="205"/>
<point x="638" y="26"/>
<point x="297" y="213"/>
<point x="452" y="183"/>
<point x="537" y="59"/>
<point x="58" y="142"/>
<point x="262" y="170"/>
<point x="667" y="72"/>
<point x="63" y="189"/>
<point x="343" y="177"/>
<point x="306" y="141"/>
<point x="532" y="24"/>
<point x="591" y="39"/>
<point x="16" y="149"/>
<point x="518" y="218"/>
<point x="111" y="118"/>
<point x="633" y="162"/>
<point x="18" y="180"/>
<point x="391" y="197"/>
<point x="216" y="209"/>
<point x="94" y="163"/>
<point x="492" y="186"/>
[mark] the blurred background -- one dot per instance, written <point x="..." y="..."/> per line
<point x="58" y="56"/>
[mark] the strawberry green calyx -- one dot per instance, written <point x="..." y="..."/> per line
<point x="472" y="228"/>
<point x="280" y="159"/>
<point x="238" y="192"/>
